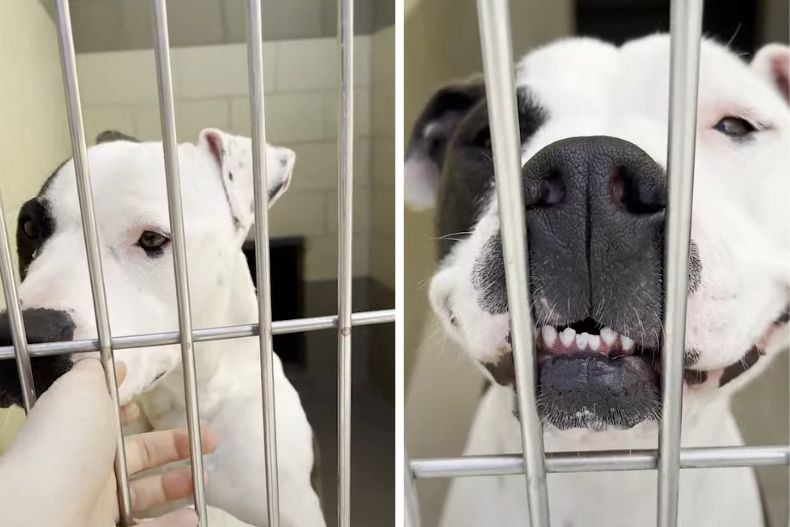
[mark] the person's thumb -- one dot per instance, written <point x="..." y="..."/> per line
<point x="68" y="436"/>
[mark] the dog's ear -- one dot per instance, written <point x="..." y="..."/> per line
<point x="772" y="63"/>
<point x="430" y="136"/>
<point x="233" y="154"/>
<point x="108" y="136"/>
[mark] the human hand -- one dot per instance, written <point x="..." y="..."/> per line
<point x="59" y="471"/>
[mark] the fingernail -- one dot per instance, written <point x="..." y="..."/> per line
<point x="120" y="372"/>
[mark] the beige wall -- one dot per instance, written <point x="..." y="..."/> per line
<point x="382" y="157"/>
<point x="210" y="90"/>
<point x="34" y="131"/>
<point x="34" y="134"/>
<point x="776" y="21"/>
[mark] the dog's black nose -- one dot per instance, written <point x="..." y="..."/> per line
<point x="595" y="220"/>
<point x="41" y="325"/>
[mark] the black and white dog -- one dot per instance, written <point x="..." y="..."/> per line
<point x="134" y="231"/>
<point x="593" y="123"/>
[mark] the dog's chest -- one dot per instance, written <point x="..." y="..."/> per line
<point x="164" y="406"/>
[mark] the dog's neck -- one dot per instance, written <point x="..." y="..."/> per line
<point x="220" y="365"/>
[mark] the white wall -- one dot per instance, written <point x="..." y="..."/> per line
<point x="210" y="89"/>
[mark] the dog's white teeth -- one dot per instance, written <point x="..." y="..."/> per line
<point x="581" y="341"/>
<point x="593" y="342"/>
<point x="628" y="344"/>
<point x="549" y="335"/>
<point x="608" y="335"/>
<point x="567" y="337"/>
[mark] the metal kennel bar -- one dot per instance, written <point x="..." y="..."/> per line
<point x="495" y="40"/>
<point x="186" y="336"/>
<point x="601" y="461"/>
<point x="345" y="230"/>
<point x="686" y="32"/>
<point x="669" y="458"/>
<point x="261" y="200"/>
<point x="279" y="327"/>
<point x="93" y="252"/>
<point x="16" y="323"/>
<point x="173" y="178"/>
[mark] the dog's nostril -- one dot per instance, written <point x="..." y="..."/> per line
<point x="547" y="192"/>
<point x="628" y="193"/>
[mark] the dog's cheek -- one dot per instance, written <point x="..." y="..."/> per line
<point x="441" y="296"/>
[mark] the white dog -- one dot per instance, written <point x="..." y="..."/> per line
<point x="134" y="231"/>
<point x="593" y="122"/>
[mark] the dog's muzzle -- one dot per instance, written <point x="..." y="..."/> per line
<point x="41" y="325"/>
<point x="595" y="219"/>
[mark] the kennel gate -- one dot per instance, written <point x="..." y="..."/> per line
<point x="186" y="336"/>
<point x="535" y="463"/>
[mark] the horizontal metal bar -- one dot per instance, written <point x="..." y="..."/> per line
<point x="601" y="461"/>
<point x="281" y="327"/>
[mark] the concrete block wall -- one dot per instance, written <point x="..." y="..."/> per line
<point x="210" y="88"/>
<point x="382" y="157"/>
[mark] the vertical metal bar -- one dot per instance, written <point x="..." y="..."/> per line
<point x="84" y="190"/>
<point x="16" y="321"/>
<point x="170" y="146"/>
<point x="411" y="503"/>
<point x="495" y="39"/>
<point x="686" y="30"/>
<point x="345" y="229"/>
<point x="260" y="190"/>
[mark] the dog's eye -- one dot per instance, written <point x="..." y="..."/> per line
<point x="30" y="229"/>
<point x="152" y="241"/>
<point x="483" y="138"/>
<point x="735" y="127"/>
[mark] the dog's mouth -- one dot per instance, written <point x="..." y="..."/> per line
<point x="591" y="376"/>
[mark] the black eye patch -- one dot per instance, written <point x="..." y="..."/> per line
<point x="34" y="227"/>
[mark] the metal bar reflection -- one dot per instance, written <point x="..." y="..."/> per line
<point x="686" y="31"/>
<point x="170" y="147"/>
<point x="494" y="20"/>
<point x="93" y="252"/>
<point x="255" y="66"/>
<point x="345" y="227"/>
<point x="601" y="461"/>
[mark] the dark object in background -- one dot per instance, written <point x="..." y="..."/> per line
<point x="620" y="20"/>
<point x="286" y="256"/>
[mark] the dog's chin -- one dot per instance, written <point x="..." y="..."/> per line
<point x="590" y="390"/>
